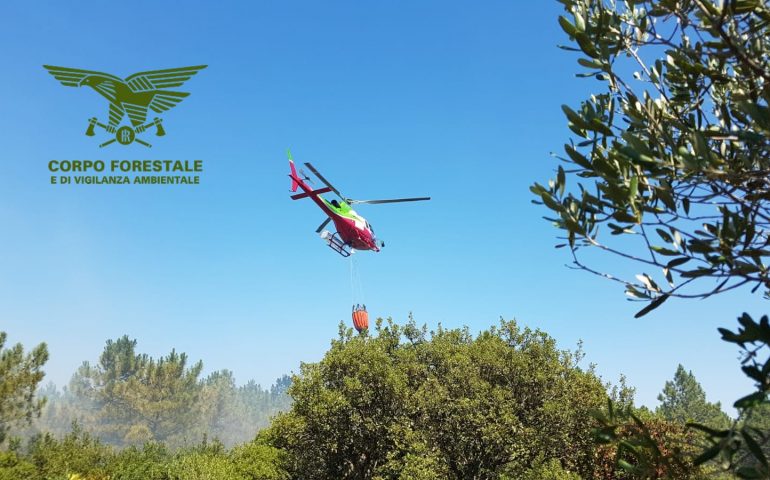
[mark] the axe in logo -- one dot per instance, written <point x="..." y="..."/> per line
<point x="125" y="134"/>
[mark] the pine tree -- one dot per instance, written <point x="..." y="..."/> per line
<point x="20" y="375"/>
<point x="683" y="400"/>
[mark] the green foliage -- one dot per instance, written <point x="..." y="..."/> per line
<point x="78" y="453"/>
<point x="202" y="464"/>
<point x="150" y="462"/>
<point x="684" y="401"/>
<point x="13" y="467"/>
<point x="20" y="375"/>
<point x="661" y="448"/>
<point x="130" y="399"/>
<point x="743" y="447"/>
<point x="258" y="461"/>
<point x="405" y="404"/>
<point x="649" y="448"/>
<point x="80" y="456"/>
<point x="550" y="470"/>
<point x="673" y="162"/>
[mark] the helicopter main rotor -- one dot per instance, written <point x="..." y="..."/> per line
<point x="352" y="201"/>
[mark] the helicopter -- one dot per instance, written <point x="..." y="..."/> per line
<point x="353" y="232"/>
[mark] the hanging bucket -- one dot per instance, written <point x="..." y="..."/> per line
<point x="360" y="319"/>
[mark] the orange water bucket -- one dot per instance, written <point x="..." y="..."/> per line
<point x="360" y="319"/>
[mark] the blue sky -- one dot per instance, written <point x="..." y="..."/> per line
<point x="457" y="101"/>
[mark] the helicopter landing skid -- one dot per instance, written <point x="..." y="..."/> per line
<point x="336" y="243"/>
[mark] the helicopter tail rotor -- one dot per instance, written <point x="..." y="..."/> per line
<point x="305" y="177"/>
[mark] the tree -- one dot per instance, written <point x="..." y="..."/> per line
<point x="676" y="161"/>
<point x="234" y="414"/>
<point x="134" y="398"/>
<point x="60" y="410"/>
<point x="163" y="399"/>
<point x="683" y="400"/>
<point x="407" y="404"/>
<point x="280" y="387"/>
<point x="20" y="375"/>
<point x="672" y="166"/>
<point x="150" y="462"/>
<point x="129" y="398"/>
<point x="258" y="461"/>
<point x="637" y="445"/>
<point x="220" y="410"/>
<point x="97" y="388"/>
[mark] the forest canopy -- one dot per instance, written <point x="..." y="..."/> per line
<point x="395" y="402"/>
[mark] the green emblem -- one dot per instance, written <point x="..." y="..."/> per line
<point x="131" y="97"/>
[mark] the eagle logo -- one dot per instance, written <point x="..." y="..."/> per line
<point x="132" y="96"/>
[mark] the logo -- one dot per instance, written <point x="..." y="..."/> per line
<point x="132" y="96"/>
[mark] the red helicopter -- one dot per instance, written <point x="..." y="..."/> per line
<point x="353" y="231"/>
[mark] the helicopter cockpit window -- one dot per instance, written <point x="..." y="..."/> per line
<point x="334" y="203"/>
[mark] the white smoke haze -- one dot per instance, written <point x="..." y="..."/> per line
<point x="127" y="399"/>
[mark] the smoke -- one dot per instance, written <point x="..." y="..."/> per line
<point x="146" y="406"/>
